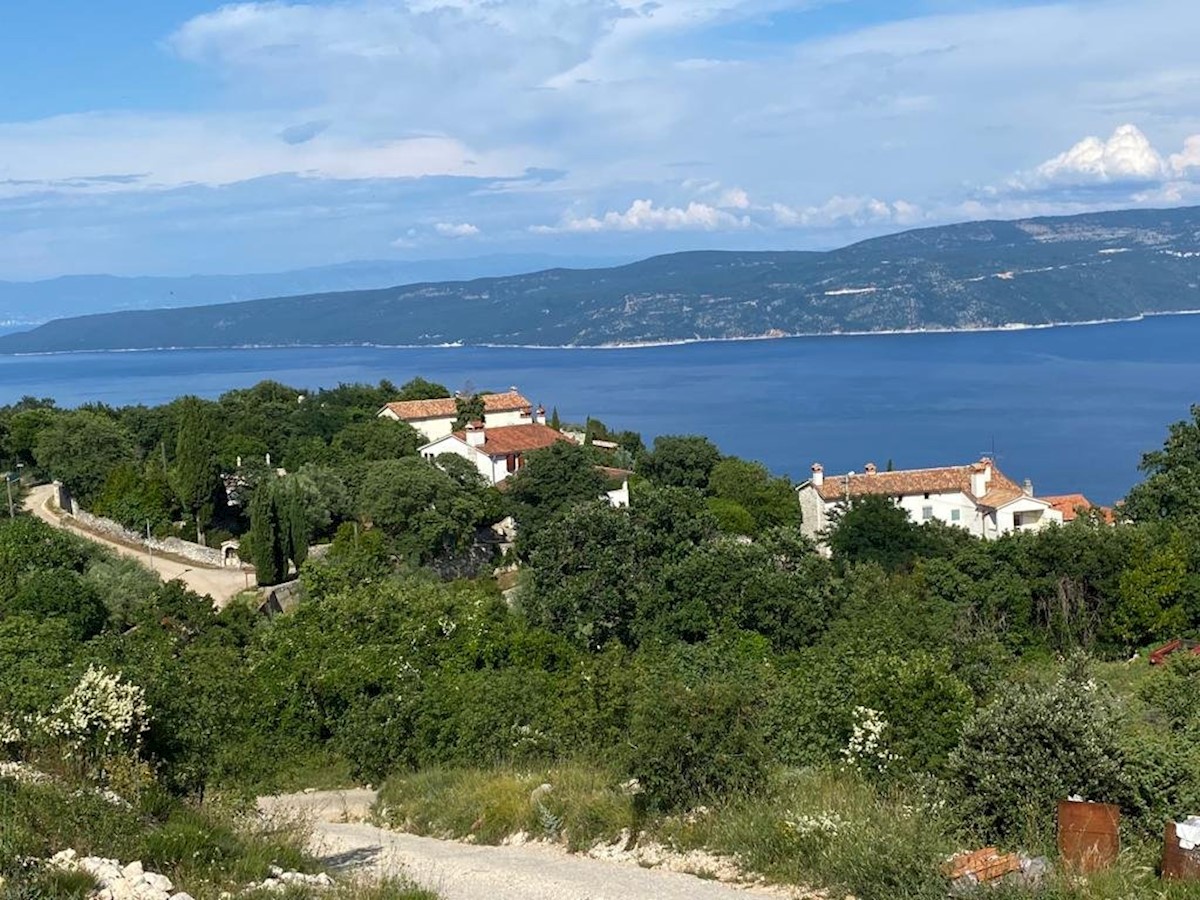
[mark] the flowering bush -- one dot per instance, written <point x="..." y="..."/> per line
<point x="102" y="716"/>
<point x="1032" y="746"/>
<point x="867" y="750"/>
<point x="824" y="824"/>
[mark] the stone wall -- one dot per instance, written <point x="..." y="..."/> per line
<point x="206" y="556"/>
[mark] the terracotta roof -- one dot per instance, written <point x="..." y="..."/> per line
<point x="444" y="407"/>
<point x="508" y="439"/>
<point x="1070" y="506"/>
<point x="907" y="482"/>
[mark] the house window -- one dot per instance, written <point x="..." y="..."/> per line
<point x="926" y="513"/>
<point x="955" y="515"/>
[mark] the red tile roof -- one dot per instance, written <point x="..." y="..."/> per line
<point x="907" y="482"/>
<point x="445" y="408"/>
<point x="1070" y="505"/>
<point x="508" y="439"/>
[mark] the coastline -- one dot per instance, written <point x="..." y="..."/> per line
<point x="630" y="345"/>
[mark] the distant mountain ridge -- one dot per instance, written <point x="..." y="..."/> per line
<point x="33" y="302"/>
<point x="995" y="274"/>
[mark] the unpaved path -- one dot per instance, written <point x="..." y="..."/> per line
<point x="220" y="584"/>
<point x="458" y="871"/>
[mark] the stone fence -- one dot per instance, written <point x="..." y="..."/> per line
<point x="225" y="557"/>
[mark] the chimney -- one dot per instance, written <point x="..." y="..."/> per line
<point x="981" y="476"/>
<point x="870" y="468"/>
<point x="476" y="434"/>
<point x="818" y="474"/>
<point x="541" y="415"/>
<point x="1027" y="487"/>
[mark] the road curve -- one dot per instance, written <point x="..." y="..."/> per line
<point x="458" y="871"/>
<point x="222" y="585"/>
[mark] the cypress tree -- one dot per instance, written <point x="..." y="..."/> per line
<point x="266" y="539"/>
<point x="555" y="422"/>
<point x="196" y="477"/>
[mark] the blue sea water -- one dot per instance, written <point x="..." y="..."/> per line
<point x="1071" y="408"/>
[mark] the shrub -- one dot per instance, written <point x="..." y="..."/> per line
<point x="693" y="742"/>
<point x="1031" y="747"/>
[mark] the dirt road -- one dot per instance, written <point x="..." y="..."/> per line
<point x="460" y="871"/>
<point x="220" y="584"/>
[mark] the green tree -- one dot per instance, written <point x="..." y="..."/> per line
<point x="470" y="408"/>
<point x="376" y="439"/>
<point x="428" y="513"/>
<point x="874" y="529"/>
<point x="420" y="389"/>
<point x="1152" y="596"/>
<point x="552" y="479"/>
<point x="1171" y="491"/>
<point x="770" y="501"/>
<point x="266" y="537"/>
<point x="555" y="421"/>
<point x="196" y="475"/>
<point x="80" y="449"/>
<point x="680" y="461"/>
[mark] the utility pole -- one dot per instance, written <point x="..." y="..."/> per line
<point x="149" y="549"/>
<point x="8" y="483"/>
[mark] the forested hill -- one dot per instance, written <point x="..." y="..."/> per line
<point x="979" y="274"/>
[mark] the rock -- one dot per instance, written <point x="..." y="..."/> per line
<point x="183" y="895"/>
<point x="133" y="871"/>
<point x="159" y="882"/>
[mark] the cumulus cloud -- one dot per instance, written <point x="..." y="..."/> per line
<point x="456" y="230"/>
<point x="644" y="215"/>
<point x="1127" y="156"/>
<point x="847" y="211"/>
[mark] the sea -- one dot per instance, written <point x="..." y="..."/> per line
<point x="1072" y="408"/>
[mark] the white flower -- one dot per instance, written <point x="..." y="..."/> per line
<point x="825" y="823"/>
<point x="102" y="710"/>
<point x="866" y="748"/>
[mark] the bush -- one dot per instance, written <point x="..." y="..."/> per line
<point x="1030" y="748"/>
<point x="693" y="742"/>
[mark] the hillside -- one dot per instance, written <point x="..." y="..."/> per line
<point x="973" y="275"/>
<point x="33" y="302"/>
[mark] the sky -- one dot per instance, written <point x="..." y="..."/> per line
<point x="180" y="136"/>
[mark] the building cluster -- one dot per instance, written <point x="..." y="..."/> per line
<point x="498" y="443"/>
<point x="977" y="497"/>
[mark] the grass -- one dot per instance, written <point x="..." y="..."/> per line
<point x="203" y="850"/>
<point x="583" y="806"/>
<point x="822" y="828"/>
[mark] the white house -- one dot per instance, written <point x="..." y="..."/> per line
<point x="977" y="497"/>
<point x="495" y="452"/>
<point x="435" y="418"/>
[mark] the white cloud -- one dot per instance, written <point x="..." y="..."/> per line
<point x="168" y="151"/>
<point x="1127" y="156"/>
<point x="456" y="230"/>
<point x="847" y="211"/>
<point x="643" y="215"/>
<point x="734" y="198"/>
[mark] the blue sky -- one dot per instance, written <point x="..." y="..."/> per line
<point x="179" y="136"/>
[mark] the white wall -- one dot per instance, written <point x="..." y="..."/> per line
<point x="453" y="445"/>
<point x="509" y="417"/>
<point x="943" y="507"/>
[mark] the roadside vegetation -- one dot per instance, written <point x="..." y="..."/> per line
<point x="687" y="672"/>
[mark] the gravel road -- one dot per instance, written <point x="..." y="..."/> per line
<point x="460" y="871"/>
<point x="220" y="584"/>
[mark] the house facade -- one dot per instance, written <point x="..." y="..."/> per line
<point x="496" y="452"/>
<point x="435" y="418"/>
<point x="977" y="497"/>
